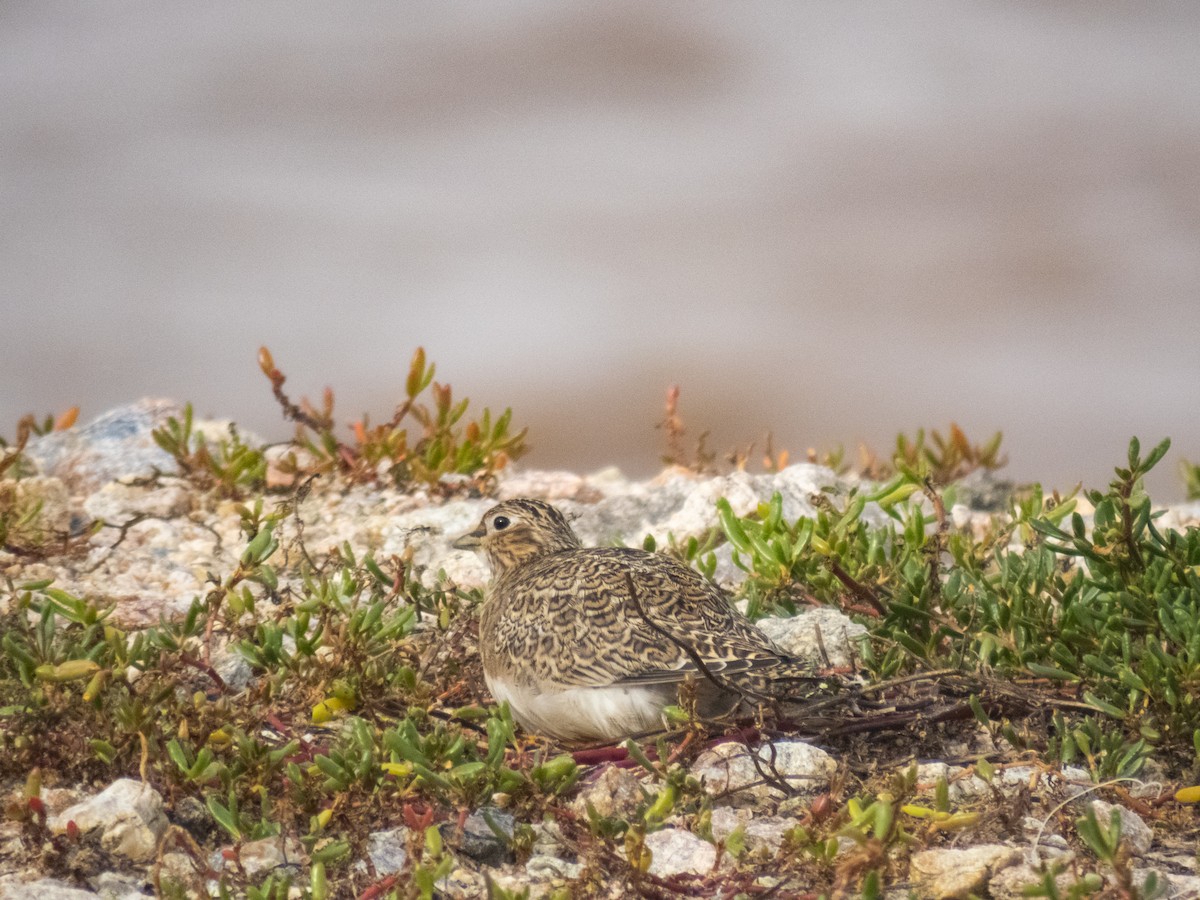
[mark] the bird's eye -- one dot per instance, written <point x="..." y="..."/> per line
<point x="500" y="523"/>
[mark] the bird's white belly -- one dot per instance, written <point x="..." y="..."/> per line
<point x="582" y="713"/>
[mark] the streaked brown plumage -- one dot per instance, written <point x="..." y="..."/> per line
<point x="562" y="640"/>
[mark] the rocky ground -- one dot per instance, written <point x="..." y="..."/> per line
<point x="162" y="539"/>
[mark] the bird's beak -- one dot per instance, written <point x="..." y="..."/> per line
<point x="471" y="540"/>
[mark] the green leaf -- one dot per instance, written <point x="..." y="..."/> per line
<point x="1051" y="672"/>
<point x="331" y="852"/>
<point x="1104" y="706"/>
<point x="732" y="526"/>
<point x="1156" y="454"/>
<point x="175" y="751"/>
<point x="223" y="817"/>
<point x="977" y="709"/>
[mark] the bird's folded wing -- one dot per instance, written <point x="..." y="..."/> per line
<point x="717" y="667"/>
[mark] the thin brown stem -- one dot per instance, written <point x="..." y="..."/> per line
<point x="859" y="590"/>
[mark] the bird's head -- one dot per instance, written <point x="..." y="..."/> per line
<point x="518" y="531"/>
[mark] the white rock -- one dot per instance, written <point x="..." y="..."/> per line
<point x="117" y="445"/>
<point x="729" y="770"/>
<point x="677" y="852"/>
<point x="232" y="667"/>
<point x="615" y="792"/>
<point x="929" y="773"/>
<point x="388" y="850"/>
<point x="129" y="813"/>
<point x="429" y="531"/>
<point x="1077" y="782"/>
<point x="1007" y="781"/>
<point x="798" y="635"/>
<point x="463" y="884"/>
<point x="797" y="484"/>
<point x="541" y="878"/>
<point x="115" y="886"/>
<point x="259" y="858"/>
<point x="627" y="516"/>
<point x="609" y="481"/>
<point x="117" y="501"/>
<point x="548" y="839"/>
<point x="154" y="572"/>
<point x="51" y="499"/>
<point x="1178" y="886"/>
<point x="213" y="431"/>
<point x="179" y="869"/>
<point x="960" y="515"/>
<point x="761" y="832"/>
<point x="950" y="874"/>
<point x="543" y="867"/>
<point x="12" y="888"/>
<point x="1010" y="882"/>
<point x="699" y="511"/>
<point x="1180" y="517"/>
<point x="1037" y="829"/>
<point x="543" y="485"/>
<point x="58" y="799"/>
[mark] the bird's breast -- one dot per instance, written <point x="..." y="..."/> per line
<point x="608" y="713"/>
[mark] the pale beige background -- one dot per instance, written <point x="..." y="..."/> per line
<point x="833" y="220"/>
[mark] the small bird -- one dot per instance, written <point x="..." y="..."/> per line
<point x="591" y="643"/>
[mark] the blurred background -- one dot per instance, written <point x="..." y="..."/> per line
<point x="831" y="221"/>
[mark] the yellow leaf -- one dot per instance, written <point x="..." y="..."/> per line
<point x="957" y="821"/>
<point x="1188" y="794"/>
<point x="96" y="685"/>
<point x="327" y="709"/>
<point x="72" y="670"/>
<point x="636" y="851"/>
<point x="920" y="812"/>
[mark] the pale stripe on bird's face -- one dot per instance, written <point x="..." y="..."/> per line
<point x="518" y="531"/>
